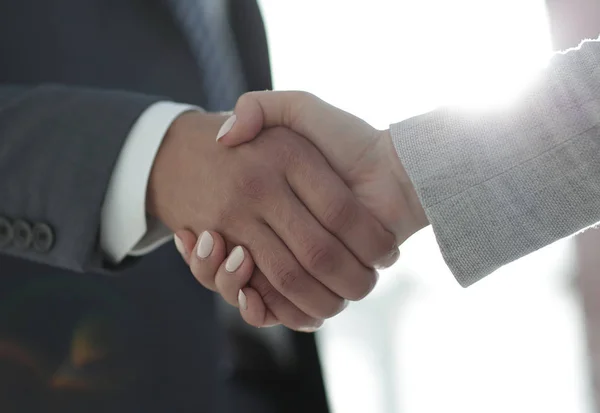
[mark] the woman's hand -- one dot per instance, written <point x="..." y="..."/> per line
<point x="226" y="271"/>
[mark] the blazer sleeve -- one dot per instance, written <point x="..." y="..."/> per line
<point x="498" y="185"/>
<point x="58" y="147"/>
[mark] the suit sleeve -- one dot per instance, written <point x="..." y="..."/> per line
<point x="499" y="185"/>
<point x="58" y="148"/>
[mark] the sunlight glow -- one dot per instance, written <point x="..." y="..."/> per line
<point x="485" y="52"/>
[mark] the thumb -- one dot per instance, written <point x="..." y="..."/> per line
<point x="244" y="124"/>
<point x="340" y="136"/>
<point x="254" y="112"/>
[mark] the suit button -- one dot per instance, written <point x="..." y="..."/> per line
<point x="43" y="237"/>
<point x="6" y="232"/>
<point x="22" y="234"/>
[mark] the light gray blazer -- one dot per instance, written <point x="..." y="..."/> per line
<point x="501" y="184"/>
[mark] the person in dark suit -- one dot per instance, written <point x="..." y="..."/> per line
<point x="99" y="162"/>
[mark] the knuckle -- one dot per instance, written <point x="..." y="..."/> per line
<point x="388" y="241"/>
<point x="246" y="98"/>
<point x="321" y="258"/>
<point x="303" y="96"/>
<point x="228" y="215"/>
<point x="286" y="277"/>
<point x="368" y="283"/>
<point x="386" y="247"/>
<point x="339" y="215"/>
<point x="305" y="102"/>
<point x="271" y="297"/>
<point x="335" y="308"/>
<point x="286" y="152"/>
<point x="284" y="310"/>
<point x="378" y="246"/>
<point x="252" y="186"/>
<point x="281" y="146"/>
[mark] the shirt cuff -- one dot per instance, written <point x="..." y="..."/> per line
<point x="125" y="229"/>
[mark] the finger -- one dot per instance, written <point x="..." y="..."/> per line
<point x="206" y="258"/>
<point x="389" y="260"/>
<point x="322" y="191"/>
<point x="260" y="315"/>
<point x="273" y="307"/>
<point x="184" y="242"/>
<point x="257" y="313"/>
<point x="304" y="113"/>
<point x="283" y="274"/>
<point x="253" y="309"/>
<point x="278" y="308"/>
<point x="321" y="254"/>
<point x="233" y="274"/>
<point x="237" y="130"/>
<point x="336" y="208"/>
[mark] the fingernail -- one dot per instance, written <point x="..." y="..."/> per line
<point x="226" y="126"/>
<point x="179" y="245"/>
<point x="242" y="302"/>
<point x="205" y="246"/>
<point x="235" y="259"/>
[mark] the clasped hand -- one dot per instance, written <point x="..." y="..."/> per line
<point x="289" y="214"/>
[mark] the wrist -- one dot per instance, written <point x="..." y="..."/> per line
<point x="418" y="217"/>
<point x="186" y="132"/>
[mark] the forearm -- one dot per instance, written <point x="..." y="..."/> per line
<point x="498" y="185"/>
<point x="58" y="147"/>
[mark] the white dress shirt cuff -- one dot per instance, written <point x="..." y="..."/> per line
<point x="125" y="229"/>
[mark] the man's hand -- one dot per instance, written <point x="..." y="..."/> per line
<point x="363" y="156"/>
<point x="312" y="241"/>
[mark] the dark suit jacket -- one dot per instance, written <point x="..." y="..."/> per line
<point x="74" y="76"/>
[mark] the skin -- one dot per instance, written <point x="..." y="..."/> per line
<point x="363" y="157"/>
<point x="280" y="200"/>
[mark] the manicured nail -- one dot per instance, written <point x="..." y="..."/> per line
<point x="179" y="245"/>
<point x="226" y="126"/>
<point x="205" y="246"/>
<point x="235" y="259"/>
<point x="242" y="302"/>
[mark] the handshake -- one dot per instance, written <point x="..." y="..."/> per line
<point x="289" y="213"/>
